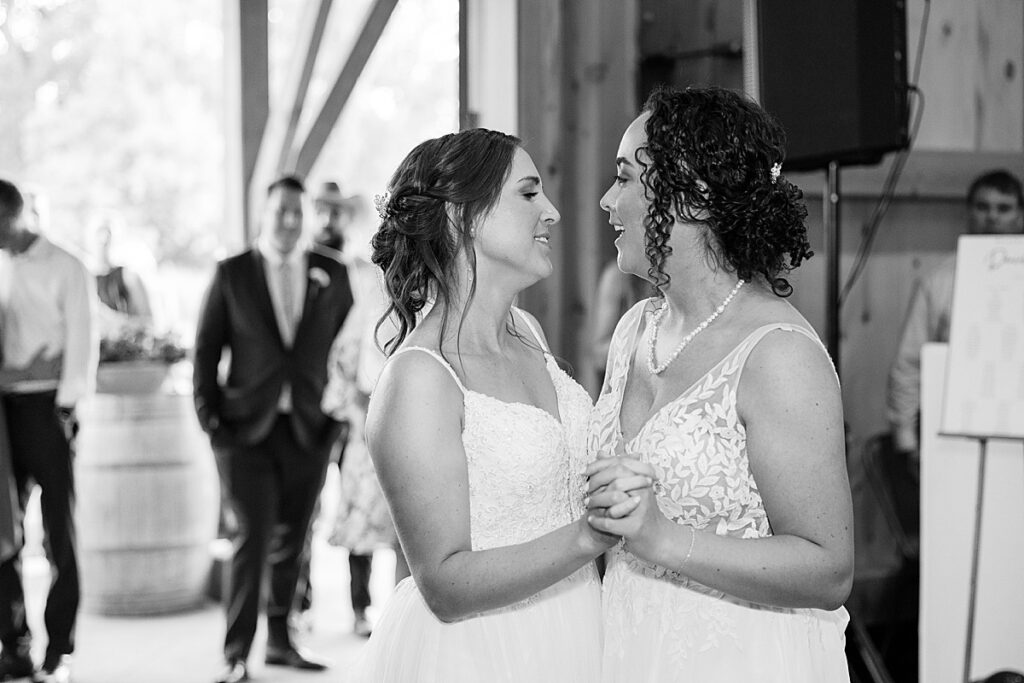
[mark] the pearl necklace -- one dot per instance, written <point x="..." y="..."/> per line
<point x="660" y="313"/>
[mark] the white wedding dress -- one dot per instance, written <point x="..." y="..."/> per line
<point x="524" y="481"/>
<point x="661" y="626"/>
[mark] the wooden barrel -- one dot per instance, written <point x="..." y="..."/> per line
<point x="147" y="504"/>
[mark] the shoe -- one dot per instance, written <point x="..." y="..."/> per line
<point x="361" y="625"/>
<point x="234" y="672"/>
<point x="295" y="658"/>
<point x="15" y="666"/>
<point x="54" y="671"/>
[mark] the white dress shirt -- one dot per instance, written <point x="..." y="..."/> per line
<point x="287" y="298"/>
<point x="48" y="301"/>
<point x="927" y="321"/>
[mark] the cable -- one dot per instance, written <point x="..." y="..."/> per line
<point x="899" y="161"/>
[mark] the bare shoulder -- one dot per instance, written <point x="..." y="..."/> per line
<point x="416" y="377"/>
<point x="789" y="373"/>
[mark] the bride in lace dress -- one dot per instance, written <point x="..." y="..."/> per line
<point x="477" y="436"/>
<point x="735" y="564"/>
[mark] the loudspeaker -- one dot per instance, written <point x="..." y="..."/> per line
<point x="834" y="73"/>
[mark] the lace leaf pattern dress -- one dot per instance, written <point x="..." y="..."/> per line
<point x="660" y="625"/>
<point x="524" y="468"/>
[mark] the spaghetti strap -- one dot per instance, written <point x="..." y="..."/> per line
<point x="439" y="358"/>
<point x="533" y="330"/>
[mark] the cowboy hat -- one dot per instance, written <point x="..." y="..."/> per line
<point x="330" y="193"/>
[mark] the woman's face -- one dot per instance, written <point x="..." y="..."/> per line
<point x="514" y="236"/>
<point x="626" y="201"/>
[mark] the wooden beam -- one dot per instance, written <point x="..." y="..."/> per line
<point x="279" y="135"/>
<point x="301" y="160"/>
<point x="304" y="67"/>
<point x="248" y="102"/>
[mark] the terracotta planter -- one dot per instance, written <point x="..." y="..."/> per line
<point x="131" y="377"/>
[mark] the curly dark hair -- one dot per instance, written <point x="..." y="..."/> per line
<point x="437" y="194"/>
<point x="708" y="159"/>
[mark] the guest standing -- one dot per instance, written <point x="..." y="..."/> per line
<point x="276" y="309"/>
<point x="47" y="298"/>
<point x="995" y="206"/>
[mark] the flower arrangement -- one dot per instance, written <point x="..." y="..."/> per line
<point x="139" y="343"/>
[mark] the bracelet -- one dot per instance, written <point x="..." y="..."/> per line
<point x="693" y="540"/>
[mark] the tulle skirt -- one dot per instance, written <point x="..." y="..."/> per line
<point x="555" y="637"/>
<point x="659" y="631"/>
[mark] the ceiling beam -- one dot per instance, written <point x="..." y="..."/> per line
<point x="279" y="135"/>
<point x="303" y="157"/>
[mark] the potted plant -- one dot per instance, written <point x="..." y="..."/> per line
<point x="136" y="360"/>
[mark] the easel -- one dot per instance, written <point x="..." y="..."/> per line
<point x="989" y="275"/>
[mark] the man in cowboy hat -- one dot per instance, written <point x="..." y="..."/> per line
<point x="334" y="211"/>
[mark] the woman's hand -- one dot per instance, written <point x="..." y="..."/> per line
<point x="621" y="501"/>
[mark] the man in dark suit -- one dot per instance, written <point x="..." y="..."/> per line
<point x="276" y="309"/>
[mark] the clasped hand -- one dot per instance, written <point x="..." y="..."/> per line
<point x="620" y="500"/>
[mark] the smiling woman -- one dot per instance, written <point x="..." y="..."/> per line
<point x="476" y="434"/>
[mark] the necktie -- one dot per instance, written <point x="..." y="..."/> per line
<point x="288" y="299"/>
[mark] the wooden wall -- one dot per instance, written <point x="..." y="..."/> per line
<point x="576" y="71"/>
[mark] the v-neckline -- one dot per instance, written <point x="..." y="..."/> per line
<point x="683" y="394"/>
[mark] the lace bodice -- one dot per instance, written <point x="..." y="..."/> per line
<point x="696" y="443"/>
<point x="524" y="464"/>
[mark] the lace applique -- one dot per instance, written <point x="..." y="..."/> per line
<point x="520" y="458"/>
<point x="697" y="446"/>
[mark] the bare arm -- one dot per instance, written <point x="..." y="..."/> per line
<point x="903" y="396"/>
<point x="414" y="431"/>
<point x="139" y="304"/>
<point x="790" y="404"/>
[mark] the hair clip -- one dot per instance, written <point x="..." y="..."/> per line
<point x="776" y="171"/>
<point x="382" y="202"/>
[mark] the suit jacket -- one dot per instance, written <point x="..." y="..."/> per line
<point x="238" y="316"/>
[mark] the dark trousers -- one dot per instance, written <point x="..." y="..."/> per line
<point x="272" y="488"/>
<point x="41" y="453"/>
<point x="359" y="581"/>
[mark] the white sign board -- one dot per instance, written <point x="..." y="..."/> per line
<point x="985" y="369"/>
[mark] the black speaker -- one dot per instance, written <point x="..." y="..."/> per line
<point x="834" y="73"/>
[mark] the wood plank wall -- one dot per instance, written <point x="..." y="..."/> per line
<point x="576" y="69"/>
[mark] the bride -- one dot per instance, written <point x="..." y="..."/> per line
<point x="477" y="436"/>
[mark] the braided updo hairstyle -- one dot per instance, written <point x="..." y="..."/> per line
<point x="435" y="197"/>
<point x="710" y="155"/>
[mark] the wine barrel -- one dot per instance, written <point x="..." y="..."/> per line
<point x="147" y="504"/>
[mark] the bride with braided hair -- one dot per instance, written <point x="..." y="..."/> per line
<point x="477" y="435"/>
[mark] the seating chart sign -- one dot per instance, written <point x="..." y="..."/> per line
<point x="985" y="367"/>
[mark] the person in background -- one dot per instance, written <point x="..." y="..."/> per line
<point x="362" y="522"/>
<point x="995" y="206"/>
<point x="48" y="306"/>
<point x="276" y="308"/>
<point x="334" y="213"/>
<point x="121" y="289"/>
<point x="735" y="565"/>
<point x="616" y="294"/>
